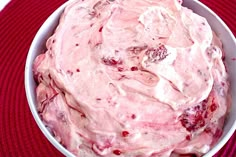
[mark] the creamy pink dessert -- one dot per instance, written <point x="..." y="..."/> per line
<point x="133" y="78"/>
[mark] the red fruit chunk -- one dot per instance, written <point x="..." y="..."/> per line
<point x="207" y="130"/>
<point x="196" y="117"/>
<point x="120" y="69"/>
<point x="100" y="29"/>
<point x="188" y="137"/>
<point x="125" y="133"/>
<point x="134" y="68"/>
<point x="157" y="54"/>
<point x="213" y="107"/>
<point x="193" y="118"/>
<point x="111" y="61"/>
<point x="133" y="116"/>
<point x="117" y="152"/>
<point x="83" y="115"/>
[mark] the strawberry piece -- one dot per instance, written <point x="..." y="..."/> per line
<point x="157" y="54"/>
<point x="193" y="118"/>
<point x="198" y="116"/>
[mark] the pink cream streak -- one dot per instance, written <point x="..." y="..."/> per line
<point x="132" y="79"/>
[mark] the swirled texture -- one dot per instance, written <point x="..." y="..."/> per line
<point x="132" y="79"/>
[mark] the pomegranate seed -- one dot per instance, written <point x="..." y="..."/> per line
<point x="134" y="68"/>
<point x="77" y="70"/>
<point x="117" y="152"/>
<point x="188" y="137"/>
<point x="125" y="133"/>
<point x="133" y="116"/>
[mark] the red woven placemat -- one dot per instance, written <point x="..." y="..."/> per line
<point x="19" y="22"/>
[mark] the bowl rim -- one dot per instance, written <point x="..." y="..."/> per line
<point x="224" y="139"/>
<point x="30" y="95"/>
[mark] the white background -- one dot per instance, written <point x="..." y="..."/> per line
<point x="3" y="3"/>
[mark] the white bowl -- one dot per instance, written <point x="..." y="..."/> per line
<point x="226" y="36"/>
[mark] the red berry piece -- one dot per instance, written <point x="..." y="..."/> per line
<point x="125" y="133"/>
<point x="120" y="69"/>
<point x="157" y="54"/>
<point x="213" y="107"/>
<point x="188" y="137"/>
<point x="207" y="130"/>
<point x="83" y="115"/>
<point x="193" y="118"/>
<point x="111" y="61"/>
<point x="134" y="68"/>
<point x="133" y="116"/>
<point x="100" y="29"/>
<point x="117" y="152"/>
